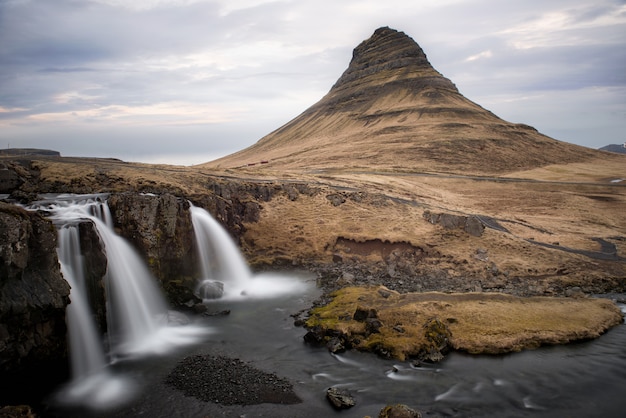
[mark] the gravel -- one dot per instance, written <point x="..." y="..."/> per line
<point x="229" y="381"/>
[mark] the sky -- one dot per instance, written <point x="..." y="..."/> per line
<point x="188" y="81"/>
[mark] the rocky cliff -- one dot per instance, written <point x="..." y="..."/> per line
<point x="33" y="297"/>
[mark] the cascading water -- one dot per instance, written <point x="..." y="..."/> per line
<point x="224" y="267"/>
<point x="89" y="355"/>
<point x="220" y="259"/>
<point x="137" y="314"/>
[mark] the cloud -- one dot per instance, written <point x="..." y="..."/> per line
<point x="480" y="55"/>
<point x="220" y="74"/>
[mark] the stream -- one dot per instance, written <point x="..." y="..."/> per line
<point x="577" y="380"/>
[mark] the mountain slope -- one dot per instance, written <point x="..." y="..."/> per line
<point x="619" y="149"/>
<point x="391" y="110"/>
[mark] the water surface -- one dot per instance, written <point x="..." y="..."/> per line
<point x="577" y="380"/>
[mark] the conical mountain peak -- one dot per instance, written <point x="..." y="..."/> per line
<point x="391" y="110"/>
<point x="386" y="51"/>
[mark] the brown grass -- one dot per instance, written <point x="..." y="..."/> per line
<point x="479" y="322"/>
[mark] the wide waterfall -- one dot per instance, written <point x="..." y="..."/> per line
<point x="224" y="268"/>
<point x="137" y="315"/>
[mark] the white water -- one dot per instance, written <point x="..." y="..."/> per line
<point x="137" y="314"/>
<point x="84" y="342"/>
<point x="221" y="261"/>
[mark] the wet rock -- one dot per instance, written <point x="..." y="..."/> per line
<point x="399" y="411"/>
<point x="437" y="336"/>
<point x="315" y="335"/>
<point x="95" y="269"/>
<point x="160" y="228"/>
<point x="340" y="398"/>
<point x="17" y="411"/>
<point x="224" y="312"/>
<point x="210" y="289"/>
<point x="33" y="298"/>
<point x="335" y="345"/>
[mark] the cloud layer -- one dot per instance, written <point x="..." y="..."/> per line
<point x="186" y="81"/>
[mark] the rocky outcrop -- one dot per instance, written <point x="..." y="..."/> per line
<point x="33" y="295"/>
<point x="159" y="227"/>
<point x="470" y="224"/>
<point x="9" y="179"/>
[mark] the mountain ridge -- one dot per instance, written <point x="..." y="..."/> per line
<point x="391" y="110"/>
<point x="615" y="148"/>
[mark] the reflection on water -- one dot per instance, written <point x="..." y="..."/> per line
<point x="578" y="380"/>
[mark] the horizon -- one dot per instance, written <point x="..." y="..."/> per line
<point x="189" y="81"/>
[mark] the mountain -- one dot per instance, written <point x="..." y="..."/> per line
<point x="391" y="110"/>
<point x="620" y="149"/>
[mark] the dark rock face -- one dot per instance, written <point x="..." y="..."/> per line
<point x="159" y="227"/>
<point x="9" y="179"/>
<point x="33" y="294"/>
<point x="95" y="262"/>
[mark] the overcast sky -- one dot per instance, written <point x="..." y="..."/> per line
<point x="187" y="81"/>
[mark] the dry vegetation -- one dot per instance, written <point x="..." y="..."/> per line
<point x="477" y="322"/>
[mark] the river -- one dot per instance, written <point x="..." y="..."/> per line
<point x="577" y="380"/>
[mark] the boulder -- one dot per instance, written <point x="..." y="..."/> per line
<point x="340" y="398"/>
<point x="399" y="411"/>
<point x="210" y="289"/>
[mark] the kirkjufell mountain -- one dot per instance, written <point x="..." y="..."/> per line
<point x="391" y="110"/>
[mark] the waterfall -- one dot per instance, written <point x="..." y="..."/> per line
<point x="223" y="264"/>
<point x="86" y="346"/>
<point x="137" y="314"/>
<point x="136" y="310"/>
<point x="220" y="259"/>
